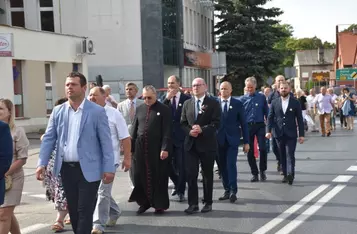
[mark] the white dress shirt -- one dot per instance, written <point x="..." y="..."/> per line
<point x="285" y="103"/>
<point x="324" y="103"/>
<point x="223" y="103"/>
<point x="74" y="123"/>
<point x="108" y="102"/>
<point x="129" y="103"/>
<point x="118" y="130"/>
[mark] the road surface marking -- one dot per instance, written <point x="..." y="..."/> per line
<point x="342" y="178"/>
<point x="39" y="196"/>
<point x="283" y="216"/>
<point x="352" y="168"/>
<point x="310" y="211"/>
<point x="33" y="228"/>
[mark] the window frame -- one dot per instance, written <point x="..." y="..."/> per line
<point x="45" y="9"/>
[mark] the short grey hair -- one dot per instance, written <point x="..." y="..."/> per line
<point x="177" y="79"/>
<point x="251" y="80"/>
<point x="105" y="87"/>
<point x="150" y="88"/>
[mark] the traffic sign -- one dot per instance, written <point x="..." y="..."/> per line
<point x="346" y="74"/>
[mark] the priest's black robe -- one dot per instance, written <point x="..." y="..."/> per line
<point x="151" y="134"/>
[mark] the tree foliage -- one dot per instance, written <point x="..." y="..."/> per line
<point x="248" y="33"/>
<point x="350" y="28"/>
<point x="290" y="45"/>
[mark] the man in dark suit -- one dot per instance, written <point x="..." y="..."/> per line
<point x="175" y="100"/>
<point x="232" y="124"/>
<point x="6" y="152"/>
<point x="285" y="113"/>
<point x="200" y="120"/>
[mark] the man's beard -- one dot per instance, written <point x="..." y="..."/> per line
<point x="284" y="95"/>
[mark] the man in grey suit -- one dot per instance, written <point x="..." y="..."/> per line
<point x="128" y="110"/>
<point x="79" y="132"/>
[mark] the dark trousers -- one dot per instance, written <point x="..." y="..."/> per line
<point x="193" y="158"/>
<point x="276" y="150"/>
<point x="178" y="171"/>
<point x="287" y="146"/>
<point x="131" y="172"/>
<point x="228" y="166"/>
<point x="342" y="118"/>
<point x="257" y="130"/>
<point x="81" y="197"/>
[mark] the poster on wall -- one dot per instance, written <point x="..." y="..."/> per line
<point x="6" y="45"/>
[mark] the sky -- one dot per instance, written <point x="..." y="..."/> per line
<point x="319" y="18"/>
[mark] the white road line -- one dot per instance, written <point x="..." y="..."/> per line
<point x="33" y="228"/>
<point x="310" y="211"/>
<point x="352" y="168"/>
<point x="39" y="196"/>
<point x="283" y="216"/>
<point x="342" y="178"/>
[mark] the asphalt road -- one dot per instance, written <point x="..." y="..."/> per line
<point x="322" y="199"/>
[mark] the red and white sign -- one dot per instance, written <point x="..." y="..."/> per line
<point x="6" y="45"/>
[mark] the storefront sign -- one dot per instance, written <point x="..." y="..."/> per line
<point x="6" y="45"/>
<point x="346" y="74"/>
<point x="198" y="59"/>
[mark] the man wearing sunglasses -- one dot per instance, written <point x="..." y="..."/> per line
<point x="151" y="143"/>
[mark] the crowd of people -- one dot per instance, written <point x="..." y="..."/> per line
<point x="174" y="139"/>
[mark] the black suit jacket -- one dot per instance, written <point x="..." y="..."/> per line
<point x="281" y="124"/>
<point x="178" y="135"/>
<point x="6" y="154"/>
<point x="208" y="120"/>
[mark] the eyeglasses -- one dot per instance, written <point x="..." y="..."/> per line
<point x="148" y="98"/>
<point x="197" y="85"/>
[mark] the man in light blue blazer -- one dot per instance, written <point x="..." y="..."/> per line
<point x="79" y="132"/>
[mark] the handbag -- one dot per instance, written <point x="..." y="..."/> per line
<point x="8" y="183"/>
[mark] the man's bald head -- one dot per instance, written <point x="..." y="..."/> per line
<point x="97" y="95"/>
<point x="199" y="87"/>
<point x="225" y="89"/>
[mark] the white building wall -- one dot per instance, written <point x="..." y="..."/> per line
<point x="115" y="28"/>
<point x="197" y="21"/>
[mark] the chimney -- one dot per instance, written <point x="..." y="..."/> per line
<point x="321" y="55"/>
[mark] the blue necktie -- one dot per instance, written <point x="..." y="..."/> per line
<point x="225" y="109"/>
<point x="197" y="107"/>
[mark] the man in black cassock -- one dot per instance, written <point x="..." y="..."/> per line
<point x="151" y="142"/>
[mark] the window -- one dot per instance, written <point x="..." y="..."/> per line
<point x="16" y="3"/>
<point x="18" y="89"/>
<point x="46" y="3"/>
<point x="46" y="15"/>
<point x="49" y="94"/>
<point x="17" y="13"/>
<point x="75" y="67"/>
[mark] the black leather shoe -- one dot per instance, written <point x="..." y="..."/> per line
<point x="224" y="197"/>
<point x="142" y="209"/>
<point x="329" y="134"/>
<point x="254" y="179"/>
<point x="290" y="179"/>
<point x="191" y="210"/>
<point x="174" y="192"/>
<point x="233" y="198"/>
<point x="285" y="180"/>
<point x="206" y="208"/>
<point x="263" y="176"/>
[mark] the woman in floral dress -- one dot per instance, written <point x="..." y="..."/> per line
<point x="55" y="191"/>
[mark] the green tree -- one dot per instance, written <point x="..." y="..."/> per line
<point x="248" y="33"/>
<point x="350" y="28"/>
